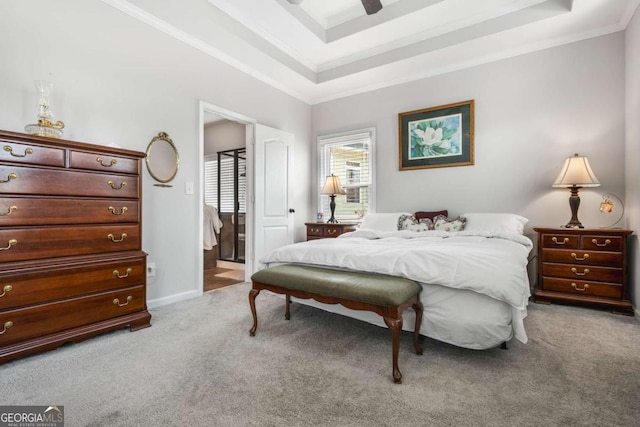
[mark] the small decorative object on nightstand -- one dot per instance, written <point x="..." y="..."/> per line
<point x="323" y="230"/>
<point x="583" y="266"/>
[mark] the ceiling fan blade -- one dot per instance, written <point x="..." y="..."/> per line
<point x="372" y="6"/>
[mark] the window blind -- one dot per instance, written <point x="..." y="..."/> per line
<point x="347" y="156"/>
<point x="224" y="180"/>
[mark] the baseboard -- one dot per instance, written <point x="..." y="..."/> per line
<point x="636" y="312"/>
<point x="159" y="302"/>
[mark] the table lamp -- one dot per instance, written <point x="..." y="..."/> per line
<point x="332" y="187"/>
<point x="576" y="173"/>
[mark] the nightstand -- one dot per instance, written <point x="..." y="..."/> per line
<point x="583" y="266"/>
<point x="323" y="230"/>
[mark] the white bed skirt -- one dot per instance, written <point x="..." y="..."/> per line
<point x="460" y="317"/>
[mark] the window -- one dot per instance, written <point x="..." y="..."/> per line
<point x="226" y="183"/>
<point x="349" y="156"/>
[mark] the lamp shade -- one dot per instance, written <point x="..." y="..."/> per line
<point x="576" y="172"/>
<point x="332" y="186"/>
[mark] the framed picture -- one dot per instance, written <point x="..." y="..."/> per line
<point x="436" y="137"/>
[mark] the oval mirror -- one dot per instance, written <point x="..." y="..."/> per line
<point x="162" y="159"/>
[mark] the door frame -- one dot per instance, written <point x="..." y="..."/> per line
<point x="249" y="127"/>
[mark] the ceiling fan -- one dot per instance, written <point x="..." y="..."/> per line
<point x="370" y="6"/>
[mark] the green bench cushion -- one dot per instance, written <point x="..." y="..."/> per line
<point x="367" y="288"/>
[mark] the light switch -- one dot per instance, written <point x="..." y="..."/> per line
<point x="188" y="187"/>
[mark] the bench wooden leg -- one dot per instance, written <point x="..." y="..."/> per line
<point x="418" y="308"/>
<point x="287" y="314"/>
<point x="253" y="293"/>
<point x="395" y="325"/>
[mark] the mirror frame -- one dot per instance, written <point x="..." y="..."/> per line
<point x="162" y="136"/>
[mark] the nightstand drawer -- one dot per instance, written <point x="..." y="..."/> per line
<point x="314" y="230"/>
<point x="582" y="272"/>
<point x="582" y="257"/>
<point x="560" y="241"/>
<point x="601" y="243"/>
<point x="333" y="230"/>
<point x="324" y="230"/>
<point x="608" y="290"/>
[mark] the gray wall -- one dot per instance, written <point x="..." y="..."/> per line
<point x="224" y="135"/>
<point x="120" y="81"/>
<point x="633" y="150"/>
<point x="531" y="112"/>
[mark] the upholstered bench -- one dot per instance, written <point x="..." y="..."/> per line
<point x="387" y="296"/>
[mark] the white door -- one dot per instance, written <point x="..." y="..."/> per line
<point x="273" y="209"/>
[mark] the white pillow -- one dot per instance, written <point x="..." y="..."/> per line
<point x="382" y="221"/>
<point x="495" y="222"/>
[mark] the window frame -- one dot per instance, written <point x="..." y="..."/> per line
<point x="340" y="138"/>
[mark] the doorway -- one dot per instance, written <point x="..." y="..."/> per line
<point x="269" y="219"/>
<point x="224" y="195"/>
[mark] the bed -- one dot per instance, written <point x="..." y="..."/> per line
<point x="472" y="269"/>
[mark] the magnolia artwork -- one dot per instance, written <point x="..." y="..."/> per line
<point x="437" y="137"/>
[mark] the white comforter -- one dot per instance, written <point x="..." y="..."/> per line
<point x="490" y="264"/>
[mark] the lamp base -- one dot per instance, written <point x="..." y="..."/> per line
<point x="571" y="225"/>
<point x="332" y="206"/>
<point x="574" y="203"/>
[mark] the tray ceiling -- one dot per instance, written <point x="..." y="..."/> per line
<point x="320" y="50"/>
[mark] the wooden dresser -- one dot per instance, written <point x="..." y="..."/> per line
<point x="71" y="259"/>
<point x="583" y="266"/>
<point x="323" y="230"/>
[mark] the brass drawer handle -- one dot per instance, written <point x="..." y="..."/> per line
<point x="8" y="149"/>
<point x="11" y="176"/>
<point x="12" y="242"/>
<point x="606" y="242"/>
<point x="584" y="257"/>
<point x="106" y="165"/>
<point x="117" y="301"/>
<point x="584" y="273"/>
<point x="331" y="231"/>
<point x="9" y="211"/>
<point x="315" y="230"/>
<point x="113" y="185"/>
<point x="584" y="288"/>
<point x="564" y="241"/>
<point x="117" y="274"/>
<point x="7" y="288"/>
<point x="113" y="239"/>
<point x="7" y="325"/>
<point x="113" y="210"/>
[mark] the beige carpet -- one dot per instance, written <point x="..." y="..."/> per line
<point x="197" y="366"/>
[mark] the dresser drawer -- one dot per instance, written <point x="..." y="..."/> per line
<point x="560" y="241"/>
<point x="602" y="243"/>
<point x="102" y="162"/>
<point x="40" y="320"/>
<point x="582" y="257"/>
<point x="608" y="290"/>
<point x="57" y="283"/>
<point x="582" y="272"/>
<point x="19" y="244"/>
<point x="52" y="182"/>
<point x="16" y="152"/>
<point x="20" y="211"/>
